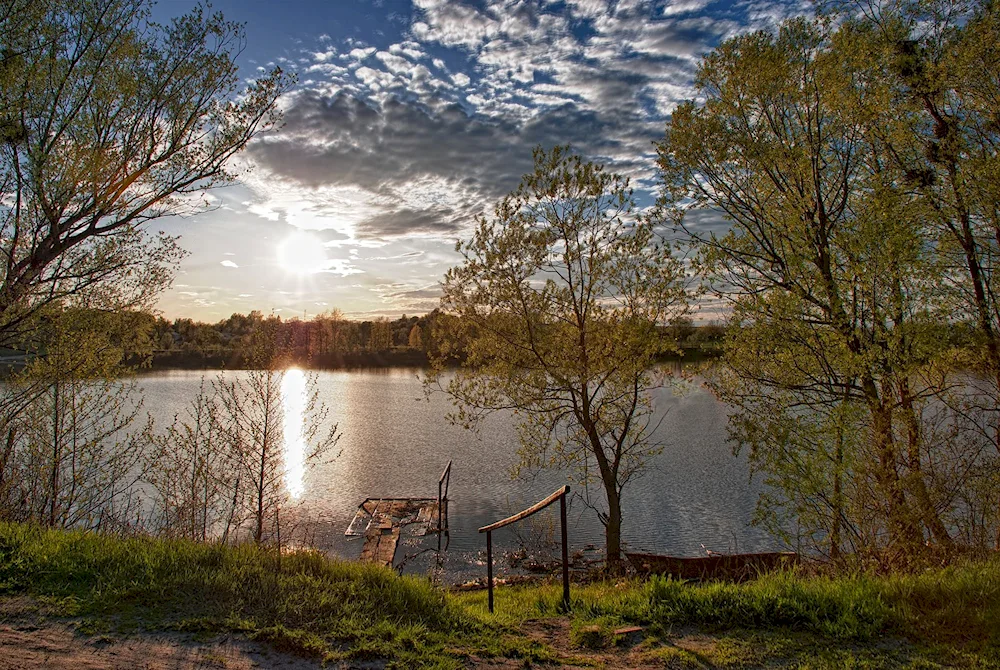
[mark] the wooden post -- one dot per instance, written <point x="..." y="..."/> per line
<point x="489" y="568"/>
<point x="565" y="551"/>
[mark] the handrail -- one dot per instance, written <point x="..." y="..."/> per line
<point x="537" y="507"/>
<point x="559" y="495"/>
<point x="444" y="481"/>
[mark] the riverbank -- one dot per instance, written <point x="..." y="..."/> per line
<point x="109" y="590"/>
<point x="396" y="357"/>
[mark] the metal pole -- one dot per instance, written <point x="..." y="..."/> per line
<point x="439" y="515"/>
<point x="565" y="550"/>
<point x="489" y="567"/>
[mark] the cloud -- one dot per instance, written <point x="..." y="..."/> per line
<point x="229" y="264"/>
<point x="426" y="171"/>
<point x="399" y="146"/>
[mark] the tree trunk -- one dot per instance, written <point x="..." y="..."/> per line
<point x="613" y="532"/>
<point x="915" y="478"/>
<point x="56" y="457"/>
<point x="838" y="497"/>
<point x="903" y="533"/>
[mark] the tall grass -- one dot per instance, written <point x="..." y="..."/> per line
<point x="331" y="609"/>
<point x="956" y="606"/>
<point x="306" y="602"/>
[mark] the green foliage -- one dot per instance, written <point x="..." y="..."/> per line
<point x="556" y="306"/>
<point x="108" y="121"/>
<point x="306" y="603"/>
<point x="73" y="425"/>
<point x="841" y="280"/>
<point x="850" y="609"/>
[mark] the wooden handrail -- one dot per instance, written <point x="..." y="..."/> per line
<point x="559" y="495"/>
<point x="537" y="507"/>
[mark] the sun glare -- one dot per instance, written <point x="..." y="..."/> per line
<point x="302" y="253"/>
<point x="293" y="395"/>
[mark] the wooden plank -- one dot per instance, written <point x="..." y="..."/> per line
<point x="387" y="548"/>
<point x="427" y="513"/>
<point x="735" y="567"/>
<point x="537" y="507"/>
<point x="370" y="549"/>
<point x="381" y="518"/>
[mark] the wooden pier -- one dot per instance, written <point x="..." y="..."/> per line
<point x="381" y="521"/>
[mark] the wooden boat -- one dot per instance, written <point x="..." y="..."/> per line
<point x="730" y="567"/>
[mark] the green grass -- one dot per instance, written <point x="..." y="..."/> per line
<point x="329" y="609"/>
<point x="311" y="605"/>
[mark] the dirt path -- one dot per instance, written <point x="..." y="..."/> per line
<point x="629" y="652"/>
<point x="29" y="639"/>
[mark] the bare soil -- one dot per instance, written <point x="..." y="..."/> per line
<point x="31" y="638"/>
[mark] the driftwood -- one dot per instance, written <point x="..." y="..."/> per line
<point x="730" y="567"/>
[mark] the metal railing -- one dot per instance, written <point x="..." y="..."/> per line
<point x="443" y="482"/>
<point x="559" y="495"/>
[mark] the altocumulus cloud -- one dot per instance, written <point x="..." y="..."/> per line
<point x="422" y="147"/>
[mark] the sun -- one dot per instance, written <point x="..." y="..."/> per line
<point x="302" y="253"/>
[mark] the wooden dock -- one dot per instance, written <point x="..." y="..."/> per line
<point x="381" y="521"/>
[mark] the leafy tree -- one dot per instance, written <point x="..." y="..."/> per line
<point x="380" y="335"/>
<point x="109" y="121"/>
<point x="74" y="432"/>
<point x="830" y="266"/>
<point x="415" y="340"/>
<point x="931" y="104"/>
<point x="558" y="300"/>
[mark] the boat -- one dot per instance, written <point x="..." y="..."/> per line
<point x="729" y="567"/>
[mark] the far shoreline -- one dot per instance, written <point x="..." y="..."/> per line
<point x="400" y="357"/>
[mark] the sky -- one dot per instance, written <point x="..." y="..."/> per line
<point x="409" y="118"/>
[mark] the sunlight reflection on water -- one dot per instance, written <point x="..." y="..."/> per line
<point x="395" y="442"/>
<point x="293" y="399"/>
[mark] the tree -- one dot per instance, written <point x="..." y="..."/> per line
<point x="380" y="335"/>
<point x="833" y="273"/>
<point x="932" y="67"/>
<point x="272" y="422"/>
<point x="191" y="477"/>
<point x="415" y="340"/>
<point x="109" y="121"/>
<point x="75" y="440"/>
<point x="558" y="303"/>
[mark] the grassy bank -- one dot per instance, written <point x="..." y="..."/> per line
<point x="337" y="610"/>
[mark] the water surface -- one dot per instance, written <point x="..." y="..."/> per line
<point x="395" y="442"/>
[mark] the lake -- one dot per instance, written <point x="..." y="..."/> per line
<point x="395" y="443"/>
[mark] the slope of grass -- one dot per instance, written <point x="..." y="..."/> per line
<point x="308" y="603"/>
<point x="330" y="609"/>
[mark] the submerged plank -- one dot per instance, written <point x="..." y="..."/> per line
<point x="387" y="547"/>
<point x="381" y="520"/>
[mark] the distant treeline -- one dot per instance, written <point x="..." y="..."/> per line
<point x="331" y="341"/>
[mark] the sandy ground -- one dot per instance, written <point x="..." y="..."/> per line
<point x="31" y="639"/>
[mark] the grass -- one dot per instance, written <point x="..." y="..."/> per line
<point x="310" y="605"/>
<point x="334" y="610"/>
